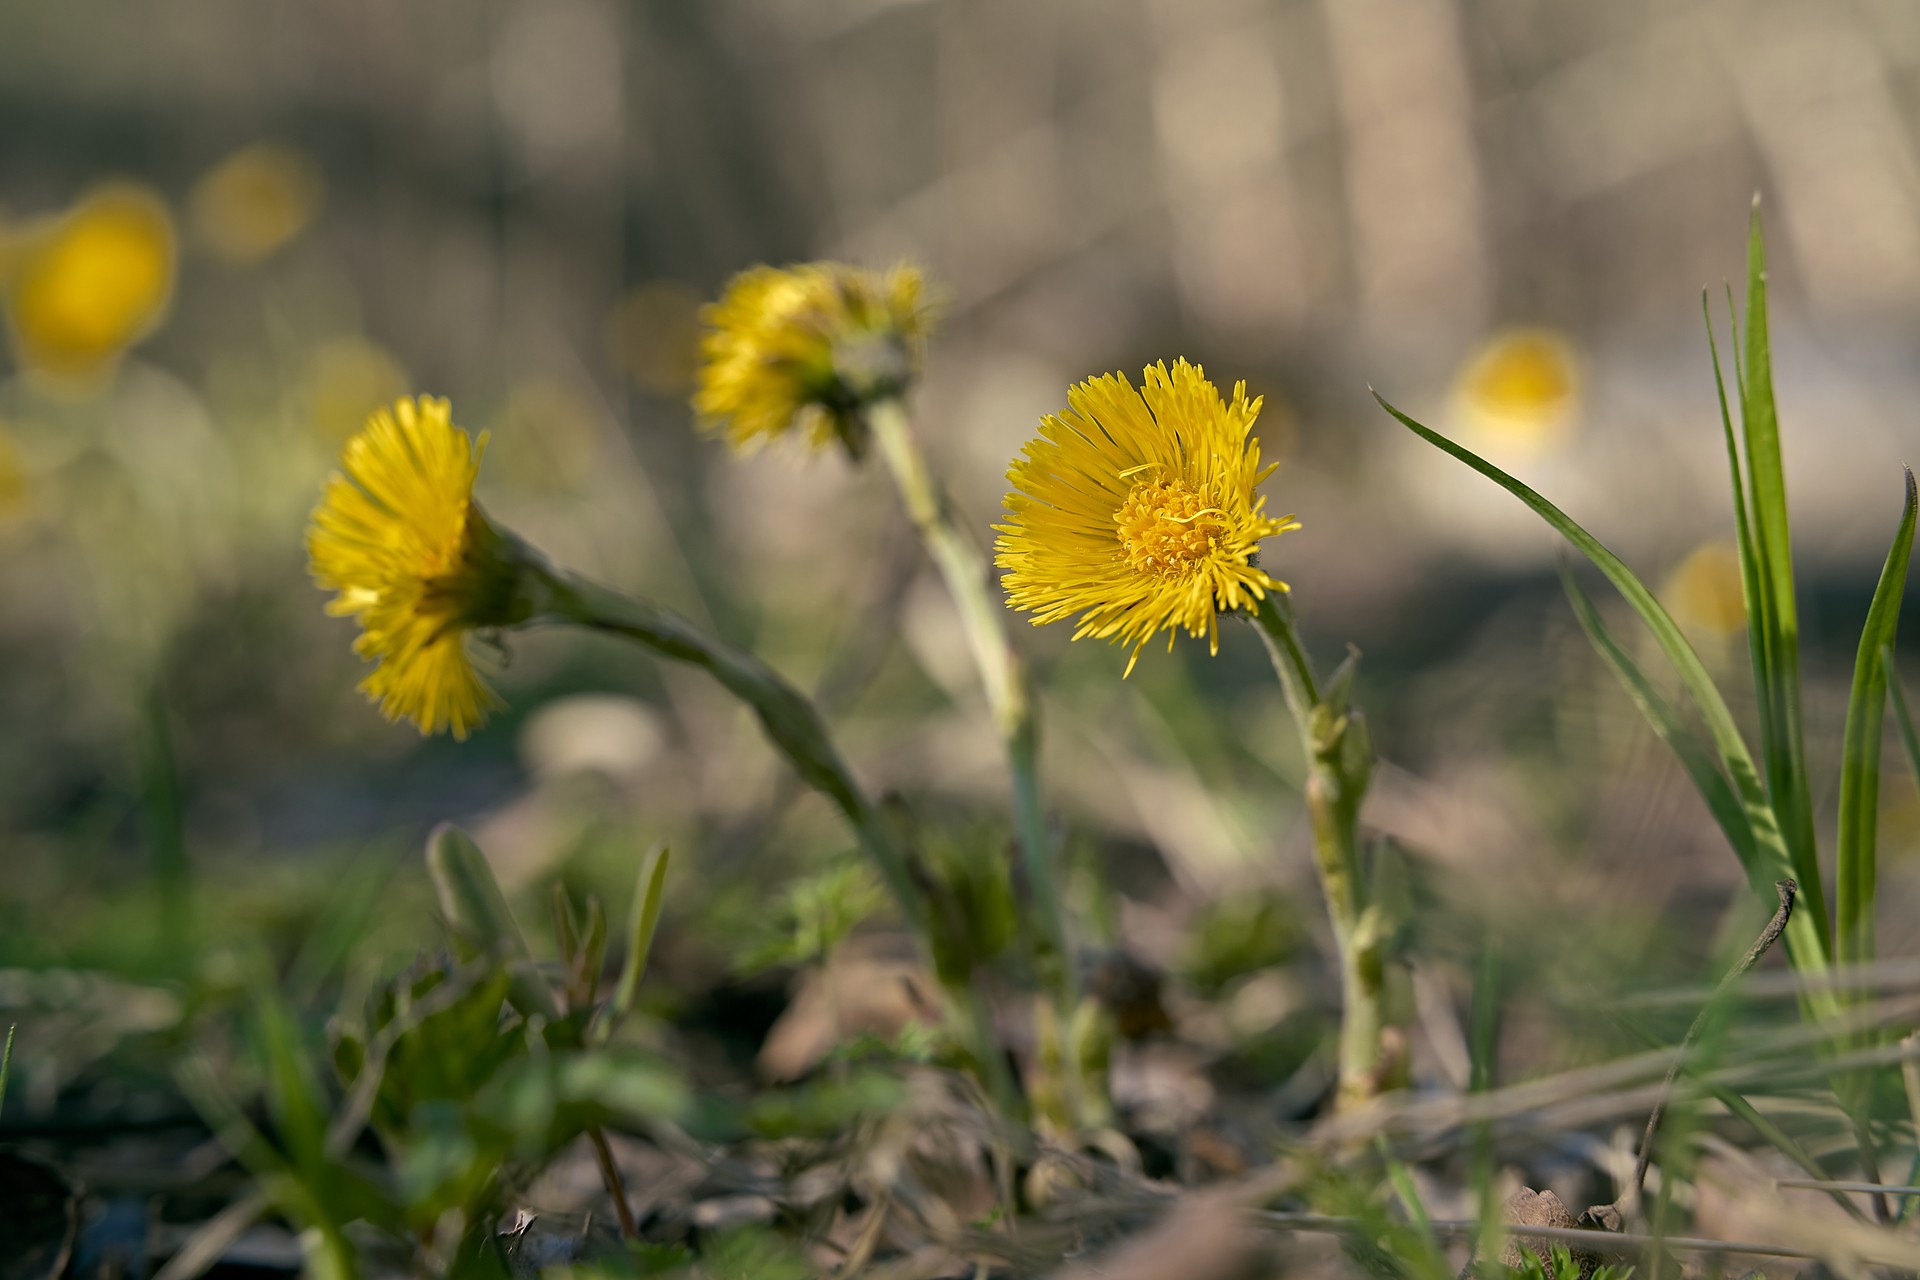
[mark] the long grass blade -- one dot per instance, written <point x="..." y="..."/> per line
<point x="1776" y="618"/>
<point x="1693" y="754"/>
<point x="1771" y="861"/>
<point x="1902" y="716"/>
<point x="1857" y="861"/>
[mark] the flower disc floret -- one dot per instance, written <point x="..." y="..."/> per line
<point x="1139" y="511"/>
<point x="408" y="552"/>
<point x="803" y="348"/>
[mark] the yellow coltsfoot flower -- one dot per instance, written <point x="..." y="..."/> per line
<point x="1137" y="510"/>
<point x="806" y="348"/>
<point x="399" y="537"/>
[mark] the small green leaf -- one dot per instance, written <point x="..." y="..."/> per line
<point x="649" y="896"/>
<point x="566" y="925"/>
<point x="1860" y="754"/>
<point x="477" y="912"/>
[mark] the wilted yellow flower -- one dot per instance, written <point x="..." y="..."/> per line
<point x="91" y="283"/>
<point x="807" y="347"/>
<point x="1705" y="590"/>
<point x="408" y="551"/>
<point x="1138" y="510"/>
<point x="1520" y="389"/>
<point x="255" y="201"/>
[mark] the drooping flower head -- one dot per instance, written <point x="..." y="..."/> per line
<point x="804" y="348"/>
<point x="401" y="541"/>
<point x="1137" y="510"/>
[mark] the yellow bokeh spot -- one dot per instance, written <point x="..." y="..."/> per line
<point x="1704" y="591"/>
<point x="655" y="336"/>
<point x="90" y="284"/>
<point x="347" y="379"/>
<point x="1520" y="390"/>
<point x="255" y="201"/>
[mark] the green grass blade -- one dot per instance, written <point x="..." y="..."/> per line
<point x="1694" y="757"/>
<point x="1806" y="943"/>
<point x="1860" y="754"/>
<point x="1782" y="739"/>
<point x="649" y="897"/>
<point x="1901" y="715"/>
<point x="6" y="1062"/>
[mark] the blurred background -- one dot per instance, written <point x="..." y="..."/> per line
<point x="229" y="229"/>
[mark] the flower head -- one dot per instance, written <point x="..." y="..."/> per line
<point x="1137" y="510"/>
<point x="806" y="347"/>
<point x="400" y="540"/>
<point x="85" y="287"/>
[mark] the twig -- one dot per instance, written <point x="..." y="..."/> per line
<point x="1597" y="1241"/>
<point x="212" y="1238"/>
<point x="1768" y="936"/>
<point x="616" y="1187"/>
<point x="1873" y="1188"/>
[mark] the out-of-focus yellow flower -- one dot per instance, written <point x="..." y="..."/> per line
<point x="400" y="540"/>
<point x="807" y="347"/>
<point x="1138" y="510"/>
<point x="255" y="201"/>
<point x="1520" y="390"/>
<point x="655" y="336"/>
<point x="347" y="379"/>
<point x="1705" y="589"/>
<point x="91" y="283"/>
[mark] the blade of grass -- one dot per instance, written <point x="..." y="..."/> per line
<point x="1806" y="943"/>
<point x="1777" y="675"/>
<point x="1860" y="755"/>
<point x="1901" y="715"/>
<point x="6" y="1062"/>
<point x="649" y="896"/>
<point x="1692" y="753"/>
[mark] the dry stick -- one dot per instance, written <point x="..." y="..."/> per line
<point x="610" y="1174"/>
<point x="1768" y="936"/>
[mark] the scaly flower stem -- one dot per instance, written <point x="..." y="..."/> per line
<point x="1009" y="694"/>
<point x="789" y="719"/>
<point x="795" y="726"/>
<point x="1338" y="760"/>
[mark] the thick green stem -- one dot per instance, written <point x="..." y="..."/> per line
<point x="1009" y="694"/>
<point x="795" y="726"/>
<point x="789" y="719"/>
<point x="1338" y="763"/>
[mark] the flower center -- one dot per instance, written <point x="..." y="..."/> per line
<point x="1166" y="526"/>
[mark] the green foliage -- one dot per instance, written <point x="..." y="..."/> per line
<point x="1236" y="935"/>
<point x="817" y="914"/>
<point x="825" y="1107"/>
<point x="1564" y="1267"/>
<point x="470" y="1085"/>
<point x="1857" y="852"/>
